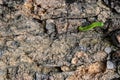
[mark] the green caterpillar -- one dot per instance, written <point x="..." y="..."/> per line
<point x="91" y="26"/>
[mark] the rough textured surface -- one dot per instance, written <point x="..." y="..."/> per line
<point x="39" y="40"/>
<point x="113" y="4"/>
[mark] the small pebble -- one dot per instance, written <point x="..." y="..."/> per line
<point x="118" y="69"/>
<point x="108" y="50"/>
<point x="110" y="65"/>
<point x="83" y="48"/>
<point x="65" y="68"/>
<point x="50" y="27"/>
<point x="74" y="60"/>
<point x="96" y="67"/>
<point x="41" y="77"/>
<point x="106" y="2"/>
<point x="1" y="52"/>
<point x="51" y="78"/>
<point x="80" y="54"/>
<point x="1" y="2"/>
<point x="118" y="38"/>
